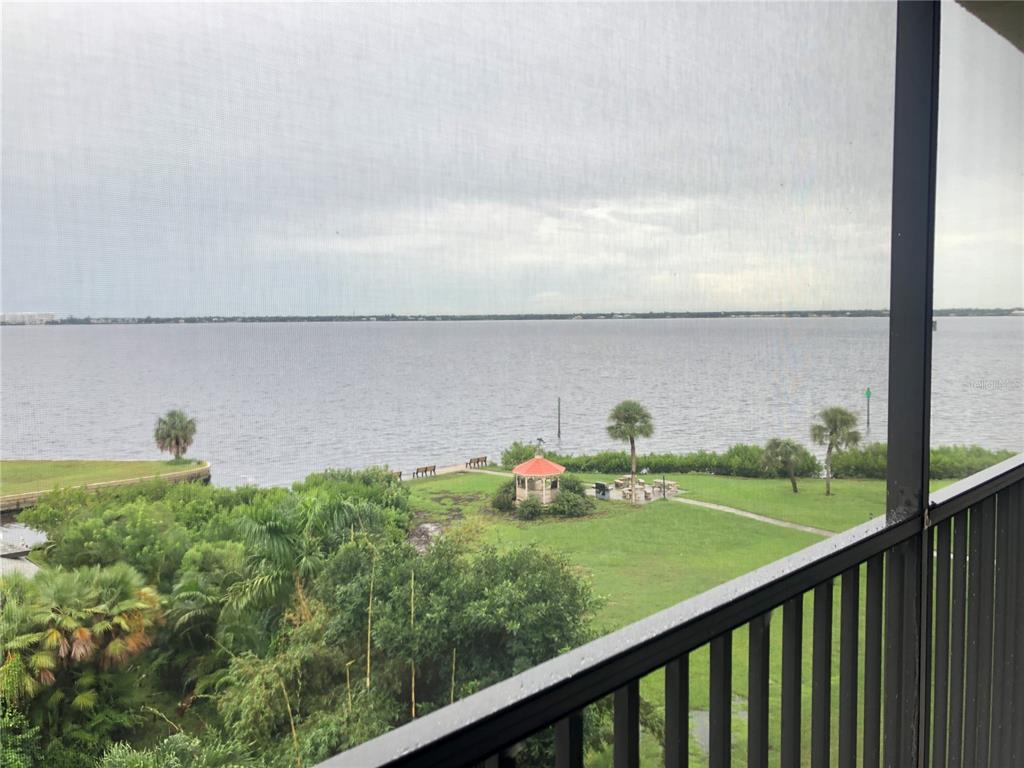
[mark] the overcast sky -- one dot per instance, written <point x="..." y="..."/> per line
<point x="335" y="159"/>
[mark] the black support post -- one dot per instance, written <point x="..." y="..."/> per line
<point x="915" y="128"/>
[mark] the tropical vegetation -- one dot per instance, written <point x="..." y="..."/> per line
<point x="628" y="421"/>
<point x="836" y="430"/>
<point x="174" y="433"/>
<point x="784" y="457"/>
<point x="203" y="626"/>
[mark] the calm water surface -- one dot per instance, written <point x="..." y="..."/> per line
<point x="274" y="401"/>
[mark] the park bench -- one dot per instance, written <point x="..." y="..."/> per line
<point x="424" y="471"/>
<point x="397" y="474"/>
<point x="479" y="461"/>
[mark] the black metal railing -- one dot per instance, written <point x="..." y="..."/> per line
<point x="892" y="700"/>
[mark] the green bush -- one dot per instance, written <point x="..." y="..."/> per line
<point x="505" y="498"/>
<point x="570" y="505"/>
<point x="956" y="461"/>
<point x="947" y="462"/>
<point x="529" y="509"/>
<point x="19" y="741"/>
<point x="741" y="460"/>
<point x="571" y="484"/>
<point x="517" y="453"/>
<point x="862" y="462"/>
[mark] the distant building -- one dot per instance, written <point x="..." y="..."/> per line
<point x="27" y="318"/>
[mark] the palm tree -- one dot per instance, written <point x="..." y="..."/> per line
<point x="628" y="421"/>
<point x="835" y="430"/>
<point x="174" y="432"/>
<point x="782" y="456"/>
<point x="287" y="545"/>
<point x="66" y="624"/>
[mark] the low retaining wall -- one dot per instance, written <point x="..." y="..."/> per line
<point x="18" y="501"/>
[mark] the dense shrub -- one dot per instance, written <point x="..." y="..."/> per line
<point x="376" y="485"/>
<point x="948" y="462"/>
<point x="862" y="462"/>
<point x="19" y="741"/>
<point x="570" y="505"/>
<point x="956" y="461"/>
<point x="505" y="498"/>
<point x="517" y="453"/>
<point x="530" y="509"/>
<point x="742" y="460"/>
<point x="570" y="484"/>
<point x="141" y="533"/>
<point x="178" y="751"/>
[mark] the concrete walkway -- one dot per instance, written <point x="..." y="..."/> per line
<point x="760" y="518"/>
<point x="461" y="468"/>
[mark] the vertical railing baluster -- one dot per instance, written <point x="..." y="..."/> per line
<point x="677" y="713"/>
<point x="1017" y="506"/>
<point x="792" y="660"/>
<point x="872" y="663"/>
<point x="849" y="624"/>
<point x="940" y="708"/>
<point x="893" y="715"/>
<point x="972" y="657"/>
<point x="757" y="691"/>
<point x="924" y="572"/>
<point x="957" y="639"/>
<point x="720" y="716"/>
<point x="626" y="749"/>
<point x="569" y="741"/>
<point x="1001" y="608"/>
<point x="821" y="677"/>
<point x="986" y="603"/>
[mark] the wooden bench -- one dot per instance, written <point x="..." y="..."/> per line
<point x="479" y="461"/>
<point x="425" y="471"/>
<point x="397" y="475"/>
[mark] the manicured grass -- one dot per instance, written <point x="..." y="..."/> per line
<point x="24" y="476"/>
<point x="644" y="559"/>
<point x="640" y="560"/>
<point x="852" y="501"/>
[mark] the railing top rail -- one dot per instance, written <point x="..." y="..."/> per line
<point x="947" y="501"/>
<point x="474" y="728"/>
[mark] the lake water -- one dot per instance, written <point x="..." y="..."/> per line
<point x="275" y="401"/>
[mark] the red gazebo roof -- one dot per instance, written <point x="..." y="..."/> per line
<point x="538" y="466"/>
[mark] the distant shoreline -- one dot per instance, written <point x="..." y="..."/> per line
<point x="953" y="312"/>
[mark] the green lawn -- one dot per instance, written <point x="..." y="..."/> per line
<point x="23" y="476"/>
<point x="852" y="501"/>
<point x="639" y="560"/>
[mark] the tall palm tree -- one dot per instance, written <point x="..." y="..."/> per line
<point x="835" y="429"/>
<point x="628" y="421"/>
<point x="174" y="432"/>
<point x="782" y="456"/>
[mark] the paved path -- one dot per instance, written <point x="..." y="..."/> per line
<point x="759" y="518"/>
<point x="463" y="468"/>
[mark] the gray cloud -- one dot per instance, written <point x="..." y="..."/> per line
<point x="172" y="159"/>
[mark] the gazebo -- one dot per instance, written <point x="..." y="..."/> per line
<point x="537" y="478"/>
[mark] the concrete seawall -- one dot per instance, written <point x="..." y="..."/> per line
<point x="17" y="501"/>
